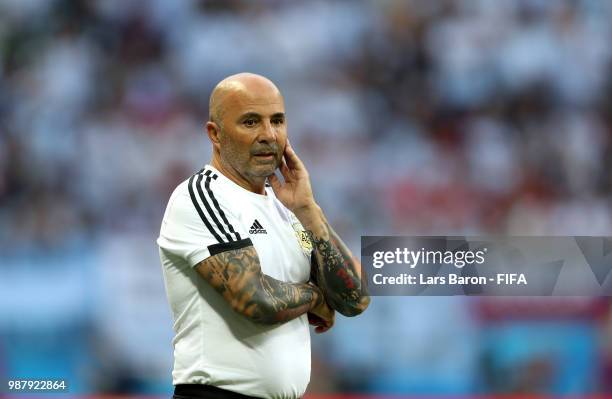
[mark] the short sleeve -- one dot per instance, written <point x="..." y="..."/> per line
<point x="199" y="222"/>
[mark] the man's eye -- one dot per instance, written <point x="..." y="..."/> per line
<point x="249" y="122"/>
<point x="278" y="121"/>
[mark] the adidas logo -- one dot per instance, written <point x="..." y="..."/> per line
<point x="257" y="228"/>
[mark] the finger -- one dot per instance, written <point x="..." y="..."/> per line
<point x="322" y="329"/>
<point x="274" y="182"/>
<point x="293" y="161"/>
<point x="314" y="319"/>
<point x="284" y="169"/>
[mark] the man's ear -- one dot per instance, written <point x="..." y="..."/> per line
<point x="213" y="131"/>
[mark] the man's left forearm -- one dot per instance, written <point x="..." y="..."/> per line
<point x="339" y="274"/>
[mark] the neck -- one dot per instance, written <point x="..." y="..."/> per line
<point x="255" y="185"/>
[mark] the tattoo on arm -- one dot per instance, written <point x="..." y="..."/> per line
<point x="237" y="276"/>
<point x="339" y="274"/>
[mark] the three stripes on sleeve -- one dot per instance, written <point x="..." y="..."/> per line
<point x="212" y="215"/>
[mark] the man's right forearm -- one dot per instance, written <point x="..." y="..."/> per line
<point x="237" y="276"/>
<point x="278" y="301"/>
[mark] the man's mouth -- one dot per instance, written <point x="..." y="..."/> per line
<point x="265" y="155"/>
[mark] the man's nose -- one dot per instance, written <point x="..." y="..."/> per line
<point x="268" y="133"/>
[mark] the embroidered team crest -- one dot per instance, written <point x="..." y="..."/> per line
<point x="303" y="238"/>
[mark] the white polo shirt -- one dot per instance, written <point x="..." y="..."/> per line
<point x="209" y="214"/>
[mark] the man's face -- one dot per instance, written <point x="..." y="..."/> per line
<point x="253" y="132"/>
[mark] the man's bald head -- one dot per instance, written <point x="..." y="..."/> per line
<point x="247" y="129"/>
<point x="241" y="84"/>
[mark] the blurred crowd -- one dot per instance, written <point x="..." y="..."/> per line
<point x="414" y="117"/>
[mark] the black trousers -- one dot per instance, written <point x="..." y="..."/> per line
<point x="200" y="391"/>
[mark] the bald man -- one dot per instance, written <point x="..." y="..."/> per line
<point x="247" y="265"/>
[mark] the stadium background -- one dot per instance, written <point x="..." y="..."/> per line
<point x="414" y="117"/>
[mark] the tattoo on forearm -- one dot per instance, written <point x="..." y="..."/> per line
<point x="237" y="276"/>
<point x="337" y="273"/>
